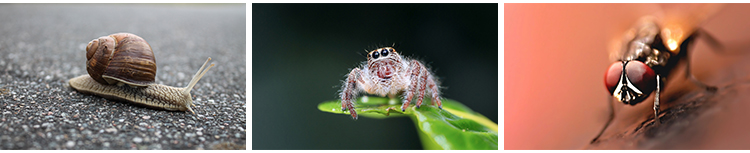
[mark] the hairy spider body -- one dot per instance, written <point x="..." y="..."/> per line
<point x="386" y="73"/>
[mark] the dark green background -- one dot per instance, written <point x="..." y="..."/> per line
<point x="301" y="52"/>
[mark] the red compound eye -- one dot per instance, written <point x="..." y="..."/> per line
<point x="639" y="74"/>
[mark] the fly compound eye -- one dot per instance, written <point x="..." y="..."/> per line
<point x="611" y="76"/>
<point x="375" y="55"/>
<point x="384" y="52"/>
<point x="632" y="85"/>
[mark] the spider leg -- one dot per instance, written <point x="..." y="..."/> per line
<point x="409" y="94"/>
<point x="422" y="79"/>
<point x="431" y="83"/>
<point x="349" y="91"/>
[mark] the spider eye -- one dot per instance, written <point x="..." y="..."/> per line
<point x="390" y="49"/>
<point x="384" y="52"/>
<point x="375" y="55"/>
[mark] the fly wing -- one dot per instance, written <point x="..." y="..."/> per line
<point x="679" y="21"/>
<point x="676" y="21"/>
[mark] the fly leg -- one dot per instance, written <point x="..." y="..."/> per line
<point x="609" y="121"/>
<point x="656" y="99"/>
<point x="713" y="43"/>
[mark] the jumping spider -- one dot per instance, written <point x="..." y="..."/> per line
<point x="388" y="73"/>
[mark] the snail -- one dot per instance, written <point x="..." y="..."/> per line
<point x="122" y="67"/>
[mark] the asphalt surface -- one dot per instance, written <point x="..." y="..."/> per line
<point x="42" y="46"/>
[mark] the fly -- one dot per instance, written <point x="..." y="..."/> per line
<point x="650" y="51"/>
<point x="644" y="65"/>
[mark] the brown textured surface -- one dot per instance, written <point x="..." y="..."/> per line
<point x="98" y="54"/>
<point x="133" y="60"/>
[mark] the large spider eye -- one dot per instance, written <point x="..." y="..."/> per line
<point x="375" y="55"/>
<point x="384" y="52"/>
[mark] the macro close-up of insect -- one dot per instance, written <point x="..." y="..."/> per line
<point x="648" y="55"/>
<point x="387" y="73"/>
<point x="675" y="76"/>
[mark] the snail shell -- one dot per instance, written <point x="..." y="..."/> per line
<point x="121" y="58"/>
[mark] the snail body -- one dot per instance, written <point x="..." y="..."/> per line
<point x="128" y="61"/>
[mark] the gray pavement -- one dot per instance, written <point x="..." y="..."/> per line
<point x="42" y="46"/>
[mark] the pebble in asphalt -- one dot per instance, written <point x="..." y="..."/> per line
<point x="42" y="47"/>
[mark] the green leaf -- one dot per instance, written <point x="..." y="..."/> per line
<point x="453" y="127"/>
